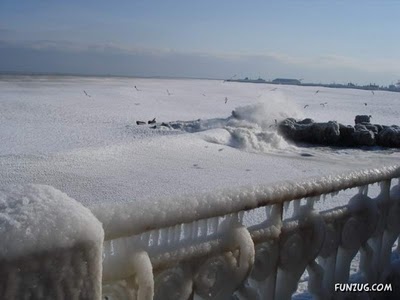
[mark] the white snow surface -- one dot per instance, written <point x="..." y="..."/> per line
<point x="89" y="146"/>
<point x="36" y="218"/>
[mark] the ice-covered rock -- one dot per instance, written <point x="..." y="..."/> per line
<point x="51" y="245"/>
<point x="389" y="137"/>
<point x="362" y="119"/>
<point x="310" y="132"/>
<point x="336" y="134"/>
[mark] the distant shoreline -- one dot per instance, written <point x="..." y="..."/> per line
<point x="370" y="87"/>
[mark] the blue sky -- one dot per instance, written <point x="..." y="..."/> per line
<point x="320" y="41"/>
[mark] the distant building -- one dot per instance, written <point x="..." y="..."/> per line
<point x="286" y="81"/>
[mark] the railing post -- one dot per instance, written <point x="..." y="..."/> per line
<point x="51" y="246"/>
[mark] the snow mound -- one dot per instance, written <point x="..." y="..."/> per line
<point x="251" y="128"/>
<point x="36" y="218"/>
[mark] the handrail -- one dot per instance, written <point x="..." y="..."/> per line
<point x="267" y="258"/>
<point x="235" y="201"/>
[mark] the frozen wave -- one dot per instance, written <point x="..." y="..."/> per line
<point x="251" y="128"/>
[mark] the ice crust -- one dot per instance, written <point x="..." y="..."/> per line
<point x="39" y="218"/>
<point x="125" y="220"/>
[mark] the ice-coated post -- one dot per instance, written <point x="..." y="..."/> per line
<point x="50" y="246"/>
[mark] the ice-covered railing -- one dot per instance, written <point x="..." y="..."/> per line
<point x="259" y="242"/>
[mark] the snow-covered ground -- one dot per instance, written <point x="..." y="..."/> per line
<point x="79" y="134"/>
<point x="90" y="147"/>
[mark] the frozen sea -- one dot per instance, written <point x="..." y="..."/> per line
<point x="79" y="134"/>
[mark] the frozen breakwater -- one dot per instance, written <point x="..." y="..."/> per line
<point x="333" y="133"/>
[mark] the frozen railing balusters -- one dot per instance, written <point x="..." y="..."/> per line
<point x="299" y="245"/>
<point x="175" y="283"/>
<point x="371" y="254"/>
<point x="214" y="255"/>
<point x="220" y="276"/>
<point x="328" y="254"/>
<point x="392" y="229"/>
<point x="143" y="275"/>
<point x="357" y="229"/>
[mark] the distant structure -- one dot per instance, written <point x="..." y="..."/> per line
<point x="286" y="81"/>
<point x="248" y="80"/>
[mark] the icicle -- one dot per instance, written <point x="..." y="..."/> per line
<point x="276" y="214"/>
<point x="312" y="200"/>
<point x="170" y="235"/>
<point x="363" y="190"/>
<point x="202" y="227"/>
<point x="163" y="236"/>
<point x="296" y="207"/>
<point x="145" y="238"/>
<point x="286" y="206"/>
<point x="195" y="229"/>
<point x="178" y="233"/>
<point x="111" y="249"/>
<point x="151" y="238"/>
<point x="241" y="216"/>
<point x="187" y="231"/>
<point x="268" y="210"/>
<point x="214" y="222"/>
<point x="334" y="194"/>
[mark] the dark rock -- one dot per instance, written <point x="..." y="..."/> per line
<point x="325" y="133"/>
<point x="309" y="132"/>
<point x="360" y="127"/>
<point x="362" y="118"/>
<point x="294" y="131"/>
<point x="140" y="123"/>
<point x="364" y="138"/>
<point x="379" y="127"/>
<point x="306" y="121"/>
<point x="389" y="137"/>
<point x="334" y="134"/>
<point x="372" y="128"/>
<point x="346" y="135"/>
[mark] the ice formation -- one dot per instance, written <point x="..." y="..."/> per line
<point x="51" y="246"/>
<point x="122" y="220"/>
<point x="37" y="218"/>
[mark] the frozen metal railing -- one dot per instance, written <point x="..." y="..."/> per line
<point x="259" y="247"/>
